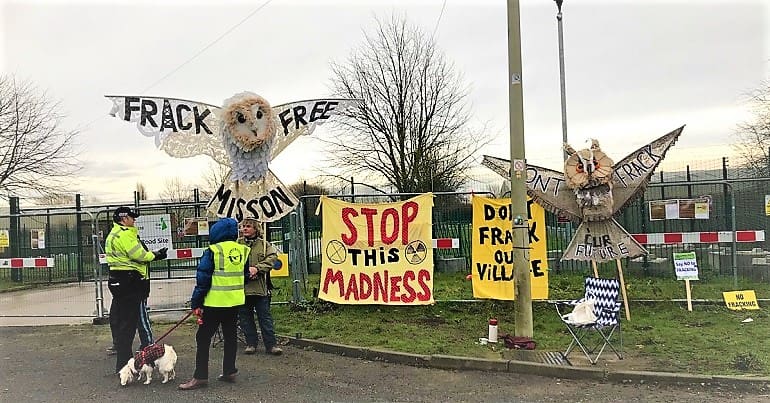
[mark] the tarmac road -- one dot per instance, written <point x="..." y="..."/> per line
<point x="68" y="364"/>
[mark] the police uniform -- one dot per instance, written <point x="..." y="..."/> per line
<point x="128" y="261"/>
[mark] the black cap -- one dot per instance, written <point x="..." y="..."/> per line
<point x="124" y="211"/>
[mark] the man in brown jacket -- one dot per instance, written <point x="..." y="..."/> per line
<point x="258" y="291"/>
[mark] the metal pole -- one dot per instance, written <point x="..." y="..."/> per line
<point x="562" y="85"/>
<point x="732" y="222"/>
<point x="101" y="317"/>
<point x="294" y="267"/>
<point x="520" y="226"/>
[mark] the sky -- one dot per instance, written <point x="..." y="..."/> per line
<point x="635" y="70"/>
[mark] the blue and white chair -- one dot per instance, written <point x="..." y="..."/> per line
<point x="602" y="329"/>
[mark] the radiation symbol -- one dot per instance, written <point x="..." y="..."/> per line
<point x="336" y="252"/>
<point x="415" y="252"/>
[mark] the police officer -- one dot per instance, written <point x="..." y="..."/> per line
<point x="222" y="272"/>
<point x="128" y="260"/>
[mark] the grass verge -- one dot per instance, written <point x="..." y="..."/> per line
<point x="662" y="333"/>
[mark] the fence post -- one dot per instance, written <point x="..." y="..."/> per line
<point x="79" y="235"/>
<point x="101" y="316"/>
<point x="297" y="274"/>
<point x="15" y="237"/>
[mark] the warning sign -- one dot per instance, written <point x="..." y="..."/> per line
<point x="739" y="300"/>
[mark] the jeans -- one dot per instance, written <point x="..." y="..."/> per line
<point x="260" y="304"/>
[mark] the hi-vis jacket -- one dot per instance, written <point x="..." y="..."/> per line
<point x="215" y="262"/>
<point x="227" y="279"/>
<point x="125" y="251"/>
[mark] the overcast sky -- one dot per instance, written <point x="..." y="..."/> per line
<point x="634" y="70"/>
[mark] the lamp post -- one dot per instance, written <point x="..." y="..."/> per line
<point x="561" y="77"/>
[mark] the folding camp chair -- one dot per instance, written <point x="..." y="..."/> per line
<point x="219" y="339"/>
<point x="594" y="336"/>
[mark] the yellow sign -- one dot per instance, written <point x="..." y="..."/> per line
<point x="493" y="249"/>
<point x="377" y="253"/>
<point x="739" y="300"/>
<point x="283" y="270"/>
<point x="5" y="240"/>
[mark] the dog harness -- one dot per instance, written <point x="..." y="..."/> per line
<point x="148" y="355"/>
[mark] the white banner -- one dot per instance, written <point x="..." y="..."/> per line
<point x="267" y="200"/>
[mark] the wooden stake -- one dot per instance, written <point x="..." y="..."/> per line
<point x="689" y="294"/>
<point x="596" y="271"/>
<point x="623" y="289"/>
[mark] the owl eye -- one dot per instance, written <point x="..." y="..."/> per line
<point x="259" y="114"/>
<point x="239" y="116"/>
<point x="579" y="168"/>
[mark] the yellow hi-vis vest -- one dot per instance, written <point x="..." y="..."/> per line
<point x="125" y="252"/>
<point x="228" y="279"/>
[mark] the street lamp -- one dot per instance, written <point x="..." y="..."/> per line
<point x="561" y="78"/>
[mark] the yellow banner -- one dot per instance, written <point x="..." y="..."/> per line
<point x="739" y="300"/>
<point x="377" y="253"/>
<point x="492" y="249"/>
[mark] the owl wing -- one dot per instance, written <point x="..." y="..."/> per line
<point x="544" y="185"/>
<point x="632" y="174"/>
<point x="300" y="118"/>
<point x="179" y="127"/>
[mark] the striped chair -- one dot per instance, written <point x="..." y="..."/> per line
<point x="593" y="338"/>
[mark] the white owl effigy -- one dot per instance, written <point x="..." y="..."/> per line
<point x="592" y="190"/>
<point x="246" y="133"/>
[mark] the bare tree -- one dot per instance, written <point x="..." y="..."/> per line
<point x="753" y="137"/>
<point x="176" y="191"/>
<point x="411" y="126"/>
<point x="55" y="199"/>
<point x="305" y="188"/>
<point x="141" y="191"/>
<point x="212" y="178"/>
<point x="37" y="156"/>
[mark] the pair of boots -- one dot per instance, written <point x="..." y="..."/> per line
<point x="275" y="350"/>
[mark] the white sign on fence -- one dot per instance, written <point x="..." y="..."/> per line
<point x="686" y="266"/>
<point x="155" y="231"/>
<point x="37" y="238"/>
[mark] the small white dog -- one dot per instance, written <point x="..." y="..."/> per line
<point x="165" y="364"/>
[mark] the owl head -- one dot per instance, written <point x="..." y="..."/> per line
<point x="587" y="168"/>
<point x="248" y="121"/>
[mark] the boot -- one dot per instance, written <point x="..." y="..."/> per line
<point x="193" y="384"/>
<point x="275" y="350"/>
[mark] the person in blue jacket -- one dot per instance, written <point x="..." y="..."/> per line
<point x="221" y="275"/>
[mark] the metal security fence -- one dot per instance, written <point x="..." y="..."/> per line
<point x="73" y="237"/>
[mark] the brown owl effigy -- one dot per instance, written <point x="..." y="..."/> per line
<point x="591" y="191"/>
<point x="588" y="173"/>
